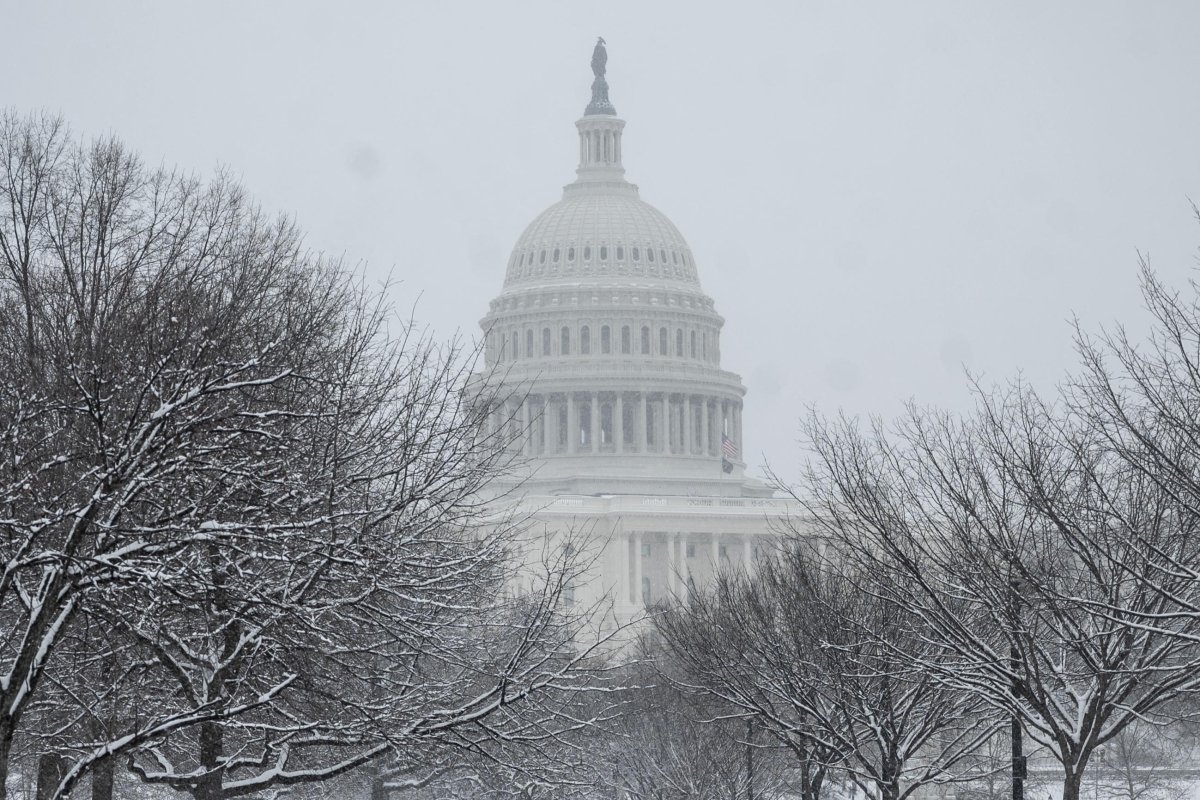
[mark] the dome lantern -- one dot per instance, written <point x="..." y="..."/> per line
<point x="600" y="132"/>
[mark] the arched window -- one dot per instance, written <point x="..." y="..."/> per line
<point x="625" y="340"/>
<point x="663" y="346"/>
<point x="529" y="343"/>
<point x="564" y="347"/>
<point x="645" y="340"/>
<point x="663" y="255"/>
<point x="516" y="345"/>
<point x="634" y="252"/>
<point x="620" y="253"/>
<point x="604" y="252"/>
<point x="605" y="340"/>
<point x="570" y="254"/>
<point x="679" y="342"/>
<point x="556" y="255"/>
<point x="585" y="340"/>
<point x="542" y="258"/>
<point x="587" y="254"/>
<point x="704" y="346"/>
<point x="650" y="254"/>
<point x="674" y="257"/>
<point x="521" y="263"/>
<point x="545" y="341"/>
<point x="693" y="350"/>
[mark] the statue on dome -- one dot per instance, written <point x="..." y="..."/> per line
<point x="600" y="103"/>
<point x="599" y="58"/>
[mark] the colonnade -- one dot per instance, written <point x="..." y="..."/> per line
<point x="658" y="565"/>
<point x="597" y="146"/>
<point x="575" y="423"/>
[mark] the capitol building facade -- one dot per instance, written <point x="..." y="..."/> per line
<point x="609" y="354"/>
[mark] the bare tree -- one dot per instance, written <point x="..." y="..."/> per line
<point x="808" y="647"/>
<point x="233" y="492"/>
<point x="1017" y="539"/>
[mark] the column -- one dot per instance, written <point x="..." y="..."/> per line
<point x="685" y="571"/>
<point x="545" y="448"/>
<point x="672" y="565"/>
<point x="688" y="433"/>
<point x="665" y="426"/>
<point x="705" y="429"/>
<point x="526" y="428"/>
<point x="572" y="425"/>
<point x="716" y="552"/>
<point x="637" y="571"/>
<point x="641" y="423"/>
<point x="737" y="429"/>
<point x="618" y="425"/>
<point x="622" y="588"/>
<point x="595" y="422"/>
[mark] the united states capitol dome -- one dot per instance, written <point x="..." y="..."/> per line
<point x="607" y="348"/>
<point x="598" y="231"/>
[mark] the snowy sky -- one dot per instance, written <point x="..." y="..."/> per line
<point x="877" y="194"/>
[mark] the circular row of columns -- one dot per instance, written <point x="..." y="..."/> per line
<point x="679" y="572"/>
<point x="599" y="147"/>
<point x="696" y="423"/>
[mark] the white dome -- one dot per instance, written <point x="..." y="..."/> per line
<point x="602" y="232"/>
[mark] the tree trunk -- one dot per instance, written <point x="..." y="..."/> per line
<point x="5" y="753"/>
<point x="1071" y="783"/>
<point x="49" y="775"/>
<point x="212" y="745"/>
<point x="378" y="790"/>
<point x="102" y="779"/>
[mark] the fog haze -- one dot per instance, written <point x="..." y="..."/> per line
<point x="877" y="195"/>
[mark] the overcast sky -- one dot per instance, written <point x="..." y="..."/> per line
<point x="877" y="194"/>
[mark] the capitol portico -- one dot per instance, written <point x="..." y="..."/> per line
<point x="611" y="354"/>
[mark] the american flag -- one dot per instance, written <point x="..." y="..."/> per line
<point x="728" y="448"/>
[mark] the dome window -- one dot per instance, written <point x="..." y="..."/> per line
<point x="693" y="351"/>
<point x="529" y="343"/>
<point x="679" y="342"/>
<point x="587" y="254"/>
<point x="570" y="254"/>
<point x="650" y="254"/>
<point x="636" y="255"/>
<point x="522" y="262"/>
<point x="585" y="341"/>
<point x="620" y="253"/>
<point x="565" y="342"/>
<point x="645" y="340"/>
<point x="625" y="340"/>
<point x="603" y="252"/>
<point x="605" y="340"/>
<point x="556" y="255"/>
<point x="542" y="258"/>
<point x="545" y="341"/>
<point x="663" y="345"/>
<point x="674" y="258"/>
<point x="663" y="255"/>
